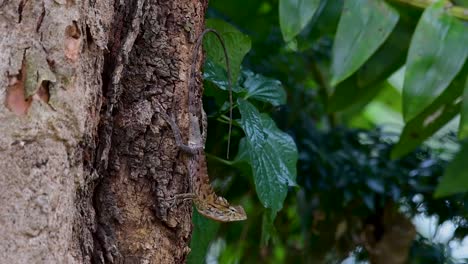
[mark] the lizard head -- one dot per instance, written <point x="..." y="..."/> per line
<point x="222" y="211"/>
<point x="237" y="213"/>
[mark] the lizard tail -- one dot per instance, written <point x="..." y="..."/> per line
<point x="192" y="77"/>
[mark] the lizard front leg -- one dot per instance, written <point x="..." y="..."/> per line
<point x="192" y="148"/>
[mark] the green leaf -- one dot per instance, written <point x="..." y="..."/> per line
<point x="382" y="115"/>
<point x="267" y="226"/>
<point x="204" y="231"/>
<point x="272" y="153"/>
<point x="463" y="129"/>
<point x="383" y="111"/>
<point x="243" y="152"/>
<point x="328" y="17"/>
<point x="423" y="126"/>
<point x="218" y="76"/>
<point x="215" y="74"/>
<point x="348" y="93"/>
<point x="364" y="25"/>
<point x="391" y="97"/>
<point x="237" y="45"/>
<point x="264" y="89"/>
<point x="367" y="82"/>
<point x="455" y="179"/>
<point x="388" y="58"/>
<point x="294" y="16"/>
<point x="434" y="117"/>
<point x="255" y="86"/>
<point x="437" y="53"/>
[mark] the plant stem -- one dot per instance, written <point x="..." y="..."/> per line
<point x="456" y="11"/>
<point x="223" y="119"/>
<point x="322" y="90"/>
<point x="227" y="162"/>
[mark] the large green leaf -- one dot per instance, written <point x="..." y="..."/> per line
<point x="382" y="115"/>
<point x="215" y="74"/>
<point x="218" y="76"/>
<point x="268" y="226"/>
<point x="264" y="89"/>
<point x="389" y="57"/>
<point x="327" y="18"/>
<point x="367" y="82"/>
<point x="272" y="154"/>
<point x="383" y="111"/>
<point x="255" y="86"/>
<point x="348" y="93"/>
<point x="243" y="152"/>
<point x="364" y="25"/>
<point x="463" y="129"/>
<point x="434" y="117"/>
<point x="204" y="231"/>
<point x="237" y="45"/>
<point x="455" y="179"/>
<point x="360" y="88"/>
<point x="423" y="126"/>
<point x="437" y="53"/>
<point x="294" y="16"/>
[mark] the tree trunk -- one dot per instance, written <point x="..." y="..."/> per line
<point x="86" y="162"/>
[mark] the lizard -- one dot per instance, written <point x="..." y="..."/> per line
<point x="206" y="201"/>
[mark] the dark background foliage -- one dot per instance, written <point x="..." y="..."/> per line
<point x="349" y="183"/>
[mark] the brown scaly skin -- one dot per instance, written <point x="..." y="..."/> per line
<point x="205" y="199"/>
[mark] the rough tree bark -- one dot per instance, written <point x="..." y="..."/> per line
<point x="86" y="162"/>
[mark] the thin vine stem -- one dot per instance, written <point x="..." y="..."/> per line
<point x="192" y="77"/>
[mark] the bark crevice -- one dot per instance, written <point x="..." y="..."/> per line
<point x="142" y="166"/>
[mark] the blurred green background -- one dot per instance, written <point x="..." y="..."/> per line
<point x="349" y="131"/>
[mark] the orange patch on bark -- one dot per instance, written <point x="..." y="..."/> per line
<point x="15" y="100"/>
<point x="72" y="42"/>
